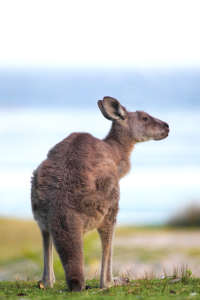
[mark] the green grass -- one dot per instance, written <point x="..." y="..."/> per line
<point x="136" y="289"/>
<point x="21" y="257"/>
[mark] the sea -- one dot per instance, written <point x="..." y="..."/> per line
<point x="39" y="108"/>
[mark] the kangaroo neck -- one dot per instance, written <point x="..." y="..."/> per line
<point x="122" y="145"/>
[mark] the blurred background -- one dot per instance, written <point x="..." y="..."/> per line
<point x="58" y="58"/>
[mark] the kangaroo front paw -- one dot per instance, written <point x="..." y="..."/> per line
<point x="120" y="281"/>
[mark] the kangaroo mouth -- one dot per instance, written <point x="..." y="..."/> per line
<point x="162" y="136"/>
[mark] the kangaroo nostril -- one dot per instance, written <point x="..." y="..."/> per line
<point x="166" y="125"/>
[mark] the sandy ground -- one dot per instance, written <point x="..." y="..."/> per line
<point x="158" y="252"/>
<point x="135" y="254"/>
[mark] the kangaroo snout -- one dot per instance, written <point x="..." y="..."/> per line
<point x="166" y="127"/>
<point x="164" y="132"/>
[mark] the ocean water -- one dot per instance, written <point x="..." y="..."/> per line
<point x="165" y="175"/>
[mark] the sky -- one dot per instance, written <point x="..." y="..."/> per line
<point x="112" y="34"/>
<point x="99" y="34"/>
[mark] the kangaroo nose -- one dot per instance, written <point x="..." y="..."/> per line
<point x="166" y="125"/>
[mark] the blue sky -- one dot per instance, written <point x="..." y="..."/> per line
<point x="112" y="35"/>
<point x="95" y="34"/>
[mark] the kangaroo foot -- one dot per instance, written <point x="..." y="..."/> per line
<point x="88" y="287"/>
<point x="48" y="282"/>
<point x="41" y="285"/>
<point x="120" y="281"/>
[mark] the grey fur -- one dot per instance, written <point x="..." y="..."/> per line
<point x="76" y="189"/>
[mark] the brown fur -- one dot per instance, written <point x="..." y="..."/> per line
<point x="76" y="189"/>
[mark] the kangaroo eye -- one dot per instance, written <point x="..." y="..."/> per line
<point x="145" y="119"/>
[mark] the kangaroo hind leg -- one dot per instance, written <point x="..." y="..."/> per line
<point x="106" y="232"/>
<point x="48" y="277"/>
<point x="106" y="235"/>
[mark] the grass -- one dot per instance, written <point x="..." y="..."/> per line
<point x="185" y="287"/>
<point x="21" y="253"/>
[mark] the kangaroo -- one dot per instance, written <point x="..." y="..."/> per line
<point x="76" y="190"/>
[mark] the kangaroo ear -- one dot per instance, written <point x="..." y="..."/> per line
<point x="111" y="109"/>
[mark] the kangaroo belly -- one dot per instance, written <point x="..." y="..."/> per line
<point x="95" y="210"/>
<point x="92" y="222"/>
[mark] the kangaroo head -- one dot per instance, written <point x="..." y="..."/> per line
<point x="138" y="125"/>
